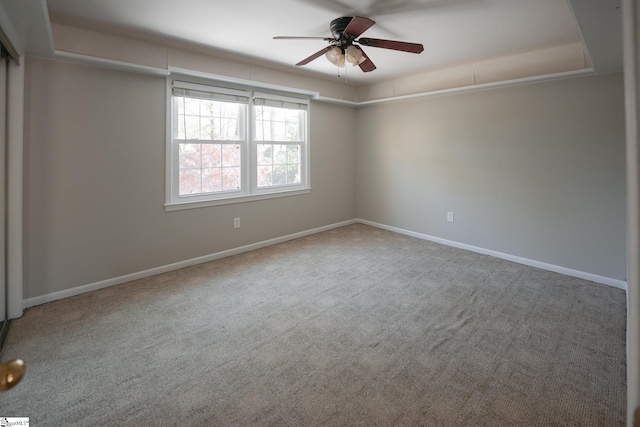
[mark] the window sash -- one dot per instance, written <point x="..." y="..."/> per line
<point x="280" y="158"/>
<point x="267" y="130"/>
<point x="275" y="101"/>
<point x="209" y="168"/>
<point x="202" y="173"/>
<point x="278" y="165"/>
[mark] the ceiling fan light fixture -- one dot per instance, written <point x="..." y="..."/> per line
<point x="354" y="55"/>
<point x="336" y="57"/>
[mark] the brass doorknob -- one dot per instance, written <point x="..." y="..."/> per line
<point x="11" y="373"/>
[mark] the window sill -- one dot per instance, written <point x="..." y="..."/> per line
<point x="177" y="206"/>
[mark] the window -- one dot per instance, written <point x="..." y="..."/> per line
<point x="279" y="136"/>
<point x="229" y="145"/>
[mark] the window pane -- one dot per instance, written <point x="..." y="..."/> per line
<point x="211" y="180"/>
<point x="206" y="128"/>
<point x="278" y="131"/>
<point x="280" y="154"/>
<point x="277" y="114"/>
<point x="178" y="132"/>
<point x="231" y="155"/>
<point x="293" y="154"/>
<point x="191" y="107"/>
<point x="293" y="174"/>
<point x="189" y="156"/>
<point x="264" y="154"/>
<point x="260" y="130"/>
<point x="293" y="132"/>
<point x="189" y="181"/>
<point x="279" y="175"/>
<point x="192" y="127"/>
<point x="226" y="129"/>
<point x="209" y="108"/>
<point x="230" y="178"/>
<point x="211" y="155"/>
<point x="227" y="121"/>
<point x="264" y="176"/>
<point x="278" y="124"/>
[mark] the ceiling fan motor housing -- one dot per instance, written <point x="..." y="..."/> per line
<point x="338" y="26"/>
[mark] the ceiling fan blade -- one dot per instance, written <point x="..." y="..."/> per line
<point x="392" y="44"/>
<point x="301" y="38"/>
<point x="315" y="55"/>
<point x="358" y="25"/>
<point x="366" y="65"/>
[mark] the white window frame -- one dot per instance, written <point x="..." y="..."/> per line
<point x="254" y="143"/>
<point x="249" y="189"/>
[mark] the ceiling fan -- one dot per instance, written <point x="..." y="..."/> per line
<point x="342" y="46"/>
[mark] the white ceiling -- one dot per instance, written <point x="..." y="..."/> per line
<point x="453" y="32"/>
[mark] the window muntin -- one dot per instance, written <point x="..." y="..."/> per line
<point x="230" y="145"/>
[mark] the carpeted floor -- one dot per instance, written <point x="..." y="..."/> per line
<point x="355" y="326"/>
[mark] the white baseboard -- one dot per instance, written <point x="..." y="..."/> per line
<point x="620" y="284"/>
<point x="30" y="302"/>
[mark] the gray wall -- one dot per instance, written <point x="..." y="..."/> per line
<point x="95" y="181"/>
<point x="536" y="171"/>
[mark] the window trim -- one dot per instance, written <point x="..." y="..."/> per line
<point x="250" y="191"/>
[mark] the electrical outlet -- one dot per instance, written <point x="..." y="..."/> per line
<point x="236" y="222"/>
<point x="450" y="216"/>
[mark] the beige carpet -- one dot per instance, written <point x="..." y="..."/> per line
<point x="352" y="327"/>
